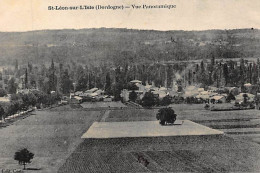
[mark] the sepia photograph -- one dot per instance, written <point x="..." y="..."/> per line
<point x="129" y="86"/>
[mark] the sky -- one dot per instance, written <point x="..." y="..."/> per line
<point x="27" y="15"/>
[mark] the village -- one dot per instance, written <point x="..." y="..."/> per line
<point x="177" y="101"/>
<point x="179" y="92"/>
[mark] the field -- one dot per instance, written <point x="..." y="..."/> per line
<point x="243" y="124"/>
<point x="236" y="151"/>
<point x="90" y="105"/>
<point x="174" y="154"/>
<point x="50" y="134"/>
<point x="54" y="136"/>
<point x="134" y="129"/>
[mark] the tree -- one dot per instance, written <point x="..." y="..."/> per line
<point x="2" y="112"/>
<point x="26" y="79"/>
<point x="23" y="156"/>
<point x="118" y="84"/>
<point x="166" y="101"/>
<point x="245" y="96"/>
<point x="66" y="83"/>
<point x="11" y="109"/>
<point x="132" y="96"/>
<point x="29" y="100"/>
<point x="230" y="97"/>
<point x="117" y="88"/>
<point x="81" y="79"/>
<point x="18" y="105"/>
<point x="132" y="86"/>
<point x="12" y="86"/>
<point x="166" y="115"/>
<point x="52" y="78"/>
<point x="225" y="72"/>
<point x="2" y="92"/>
<point x="56" y="97"/>
<point x="108" y="84"/>
<point x="40" y="97"/>
<point x="148" y="100"/>
<point x="16" y="65"/>
<point x="189" y="77"/>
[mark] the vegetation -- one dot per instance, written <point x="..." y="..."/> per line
<point x="84" y="45"/>
<point x="166" y="115"/>
<point x="12" y="86"/>
<point x="132" y="96"/>
<point x="148" y="100"/>
<point x="169" y="58"/>
<point x="166" y="101"/>
<point x="23" y="102"/>
<point x="23" y="156"/>
<point x="2" y="112"/>
<point x="230" y="97"/>
<point x="2" y="92"/>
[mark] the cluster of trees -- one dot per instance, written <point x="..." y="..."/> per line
<point x="105" y="44"/>
<point x="150" y="99"/>
<point x="224" y="73"/>
<point x="71" y="76"/>
<point x="22" y="102"/>
<point x="115" y="76"/>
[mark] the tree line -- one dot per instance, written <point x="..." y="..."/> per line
<point x="64" y="78"/>
<point x="23" y="102"/>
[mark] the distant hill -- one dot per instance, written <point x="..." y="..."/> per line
<point x="116" y="45"/>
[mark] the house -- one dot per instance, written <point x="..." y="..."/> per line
<point x="159" y="93"/>
<point x="204" y="97"/>
<point x="200" y="90"/>
<point x="247" y="87"/>
<point x="91" y="90"/>
<point x="140" y="86"/>
<point x="240" y="97"/>
<point x="218" y="99"/>
<point x="136" y="81"/>
<point x="125" y="94"/>
<point x="77" y="93"/>
<point x="76" y="99"/>
<point x="5" y="99"/>
<point x="234" y="90"/>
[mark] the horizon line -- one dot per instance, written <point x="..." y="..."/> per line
<point x="77" y="29"/>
